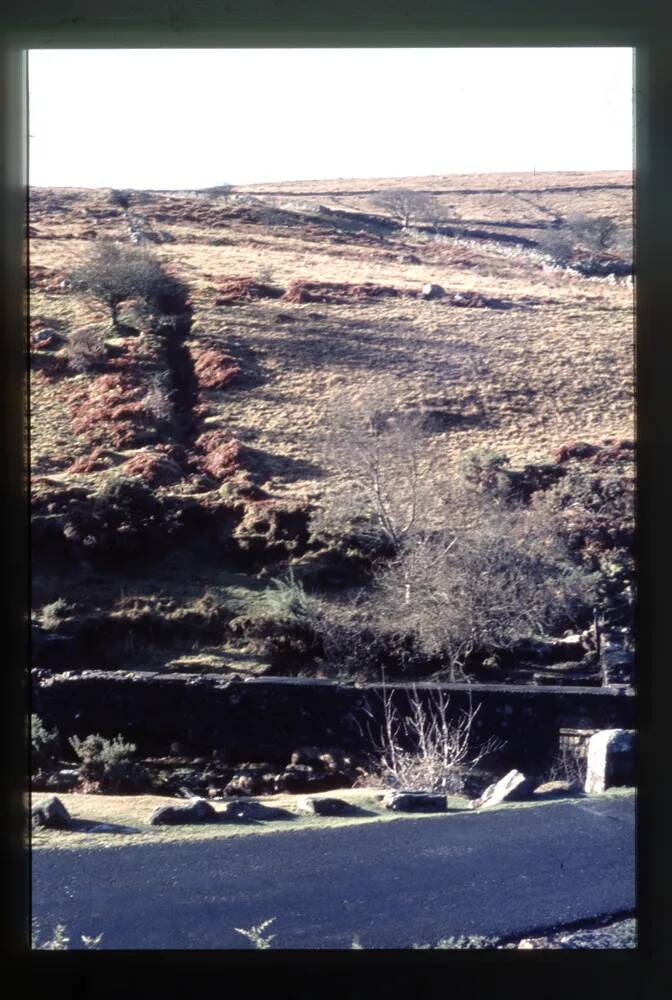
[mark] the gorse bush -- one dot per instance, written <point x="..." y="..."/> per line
<point x="482" y="468"/>
<point x="105" y="763"/>
<point x="44" y="745"/>
<point x="122" y="519"/>
<point x="53" y="614"/>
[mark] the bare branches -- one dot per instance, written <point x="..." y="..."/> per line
<point x="113" y="273"/>
<point x="482" y="585"/>
<point x="408" y="206"/>
<point x="376" y="451"/>
<point x="426" y="750"/>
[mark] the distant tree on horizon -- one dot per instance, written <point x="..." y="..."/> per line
<point x="408" y="206"/>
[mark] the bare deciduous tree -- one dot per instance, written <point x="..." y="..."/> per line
<point x="408" y="206"/>
<point x="465" y="571"/>
<point x="491" y="576"/>
<point x="114" y="273"/>
<point x="376" y="451"/>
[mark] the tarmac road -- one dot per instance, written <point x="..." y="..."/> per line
<point x="500" y="873"/>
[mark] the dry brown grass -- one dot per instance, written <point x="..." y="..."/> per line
<point x="554" y="367"/>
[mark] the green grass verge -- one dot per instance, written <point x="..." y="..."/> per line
<point x="128" y="811"/>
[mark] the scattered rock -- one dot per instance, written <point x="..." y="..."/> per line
<point x="432" y="291"/>
<point x="556" y="790"/>
<point x="415" y="802"/>
<point x="50" y="813"/>
<point x="299" y="777"/>
<point x="513" y="787"/>
<point x="243" y="784"/>
<point x="610" y="760"/>
<point x="196" y="811"/>
<point x="251" y="779"/>
<point x="251" y="811"/>
<point x="313" y="806"/>
<point x="307" y="755"/>
<point x="64" y="780"/>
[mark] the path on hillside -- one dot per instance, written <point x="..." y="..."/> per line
<point x="502" y="873"/>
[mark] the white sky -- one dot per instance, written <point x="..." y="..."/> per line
<point x="185" y="118"/>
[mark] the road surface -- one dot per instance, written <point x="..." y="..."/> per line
<point x="392" y="885"/>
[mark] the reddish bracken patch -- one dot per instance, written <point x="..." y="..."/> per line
<point x="109" y="414"/>
<point x="95" y="461"/>
<point x="213" y="367"/>
<point x="577" y="449"/>
<point x="340" y="291"/>
<point x="222" y="454"/>
<point x="154" y="467"/>
<point x="235" y="291"/>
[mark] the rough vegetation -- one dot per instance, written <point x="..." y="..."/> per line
<point x="332" y="425"/>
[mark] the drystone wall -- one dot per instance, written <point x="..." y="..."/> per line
<point x="267" y="719"/>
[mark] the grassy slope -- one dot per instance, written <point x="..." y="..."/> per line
<point x="558" y="366"/>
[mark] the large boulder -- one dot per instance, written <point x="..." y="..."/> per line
<point x="610" y="760"/>
<point x="513" y="787"/>
<point x="415" y="802"/>
<point x="195" y="811"/>
<point x="556" y="790"/>
<point x="251" y="811"/>
<point x="432" y="291"/>
<point x="311" y="805"/>
<point x="50" y="813"/>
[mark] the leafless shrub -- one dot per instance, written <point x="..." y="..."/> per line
<point x="157" y="399"/>
<point x="487" y="578"/>
<point x="85" y="349"/>
<point x="595" y="234"/>
<point x="425" y="750"/>
<point x="349" y="646"/>
<point x="256" y="934"/>
<point x="570" y="765"/>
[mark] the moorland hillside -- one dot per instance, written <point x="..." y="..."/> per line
<point x="177" y="455"/>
